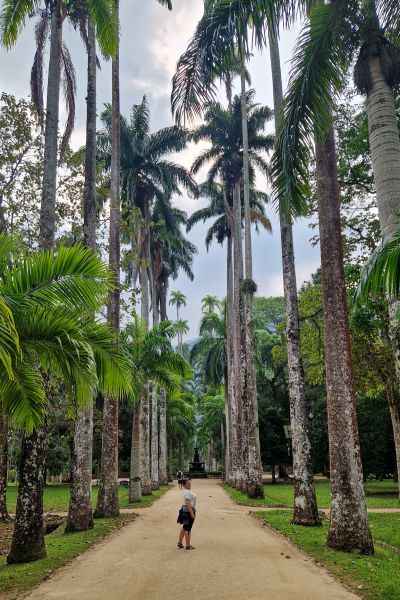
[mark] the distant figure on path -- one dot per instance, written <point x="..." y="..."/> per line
<point x="187" y="514"/>
<point x="180" y="477"/>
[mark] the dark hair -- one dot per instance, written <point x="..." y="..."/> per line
<point x="186" y="480"/>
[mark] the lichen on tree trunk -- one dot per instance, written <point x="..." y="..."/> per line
<point x="135" y="489"/>
<point x="163" y="449"/>
<point x="154" y="438"/>
<point x="4" y="516"/>
<point x="107" y="499"/>
<point x="28" y="538"/>
<point x="348" y="527"/>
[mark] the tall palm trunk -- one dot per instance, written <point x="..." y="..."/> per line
<point x="48" y="202"/>
<point x="80" y="513"/>
<point x="348" y="528"/>
<point x="241" y="475"/>
<point x="154" y="404"/>
<point x="28" y="536"/>
<point x="385" y="153"/>
<point x="170" y="449"/>
<point x="144" y="407"/>
<point x="230" y="409"/>
<point x="135" y="489"/>
<point x="163" y="440"/>
<point x="255" y="487"/>
<point x="3" y="468"/>
<point x="107" y="500"/>
<point x="305" y="502"/>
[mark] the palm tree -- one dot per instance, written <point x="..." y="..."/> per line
<point x="181" y="328"/>
<point x="181" y="424"/>
<point x="171" y="252"/>
<point x="223" y="128"/>
<point x="153" y="359"/>
<point x="209" y="303"/>
<point x="192" y="88"/>
<point x="50" y="299"/>
<point x="80" y="513"/>
<point x="12" y="19"/>
<point x="177" y="299"/>
<point x="220" y="230"/>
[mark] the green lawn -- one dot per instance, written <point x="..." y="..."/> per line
<point x="380" y="494"/>
<point x="56" y="497"/>
<point x="378" y="575"/>
<point x="61" y="548"/>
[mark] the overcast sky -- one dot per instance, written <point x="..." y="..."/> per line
<point x="152" y="41"/>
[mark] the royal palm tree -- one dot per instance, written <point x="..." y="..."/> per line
<point x="51" y="299"/>
<point x="171" y="253"/>
<point x="153" y="360"/>
<point x="218" y="32"/>
<point x="209" y="303"/>
<point x="177" y="299"/>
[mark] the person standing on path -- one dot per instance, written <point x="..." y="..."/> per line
<point x="180" y="478"/>
<point x="188" y="514"/>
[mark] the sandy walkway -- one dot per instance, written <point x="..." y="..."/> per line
<point x="236" y="559"/>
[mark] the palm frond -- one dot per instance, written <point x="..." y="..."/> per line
<point x="13" y="16"/>
<point x="104" y="15"/>
<point x="41" y="34"/>
<point x="23" y="398"/>
<point x="320" y="64"/>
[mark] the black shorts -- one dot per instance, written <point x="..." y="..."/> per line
<point x="188" y="523"/>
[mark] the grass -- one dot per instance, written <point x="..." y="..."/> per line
<point x="56" y="497"/>
<point x="61" y="549"/>
<point x="379" y="494"/>
<point x="375" y="577"/>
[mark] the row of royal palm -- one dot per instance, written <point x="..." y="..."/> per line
<point x="225" y="21"/>
<point x="153" y="360"/>
<point x="51" y="299"/>
<point x="337" y="31"/>
<point x="13" y="18"/>
<point x="171" y="252"/>
<point x="181" y="425"/>
<point x="224" y="129"/>
<point x="107" y="502"/>
<point x="212" y="423"/>
<point x="146" y="175"/>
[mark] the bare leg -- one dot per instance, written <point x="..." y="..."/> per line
<point x="181" y="536"/>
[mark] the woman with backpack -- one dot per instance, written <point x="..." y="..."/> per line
<point x="187" y="515"/>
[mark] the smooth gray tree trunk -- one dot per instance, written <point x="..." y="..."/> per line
<point x="255" y="488"/>
<point x="80" y="512"/>
<point x="348" y="527"/>
<point x="4" y="516"/>
<point x="385" y="152"/>
<point x="305" y="502"/>
<point x="163" y="447"/>
<point x="107" y="500"/>
<point x="241" y="475"/>
<point x="135" y="489"/>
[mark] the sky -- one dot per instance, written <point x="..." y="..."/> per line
<point x="152" y="39"/>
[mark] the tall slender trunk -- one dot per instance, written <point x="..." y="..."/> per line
<point x="163" y="448"/>
<point x="230" y="409"/>
<point x="305" y="502"/>
<point x="135" y="489"/>
<point x="80" y="513"/>
<point x="241" y="479"/>
<point x="223" y="445"/>
<point x="155" y="482"/>
<point x="49" y="185"/>
<point x="107" y="500"/>
<point x="170" y="477"/>
<point x="395" y="417"/>
<point x="28" y="536"/>
<point x="144" y="406"/>
<point x="255" y="488"/>
<point x="348" y="528"/>
<point x="385" y="152"/>
<point x="4" y="516"/>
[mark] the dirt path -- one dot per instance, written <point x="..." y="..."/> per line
<point x="236" y="559"/>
